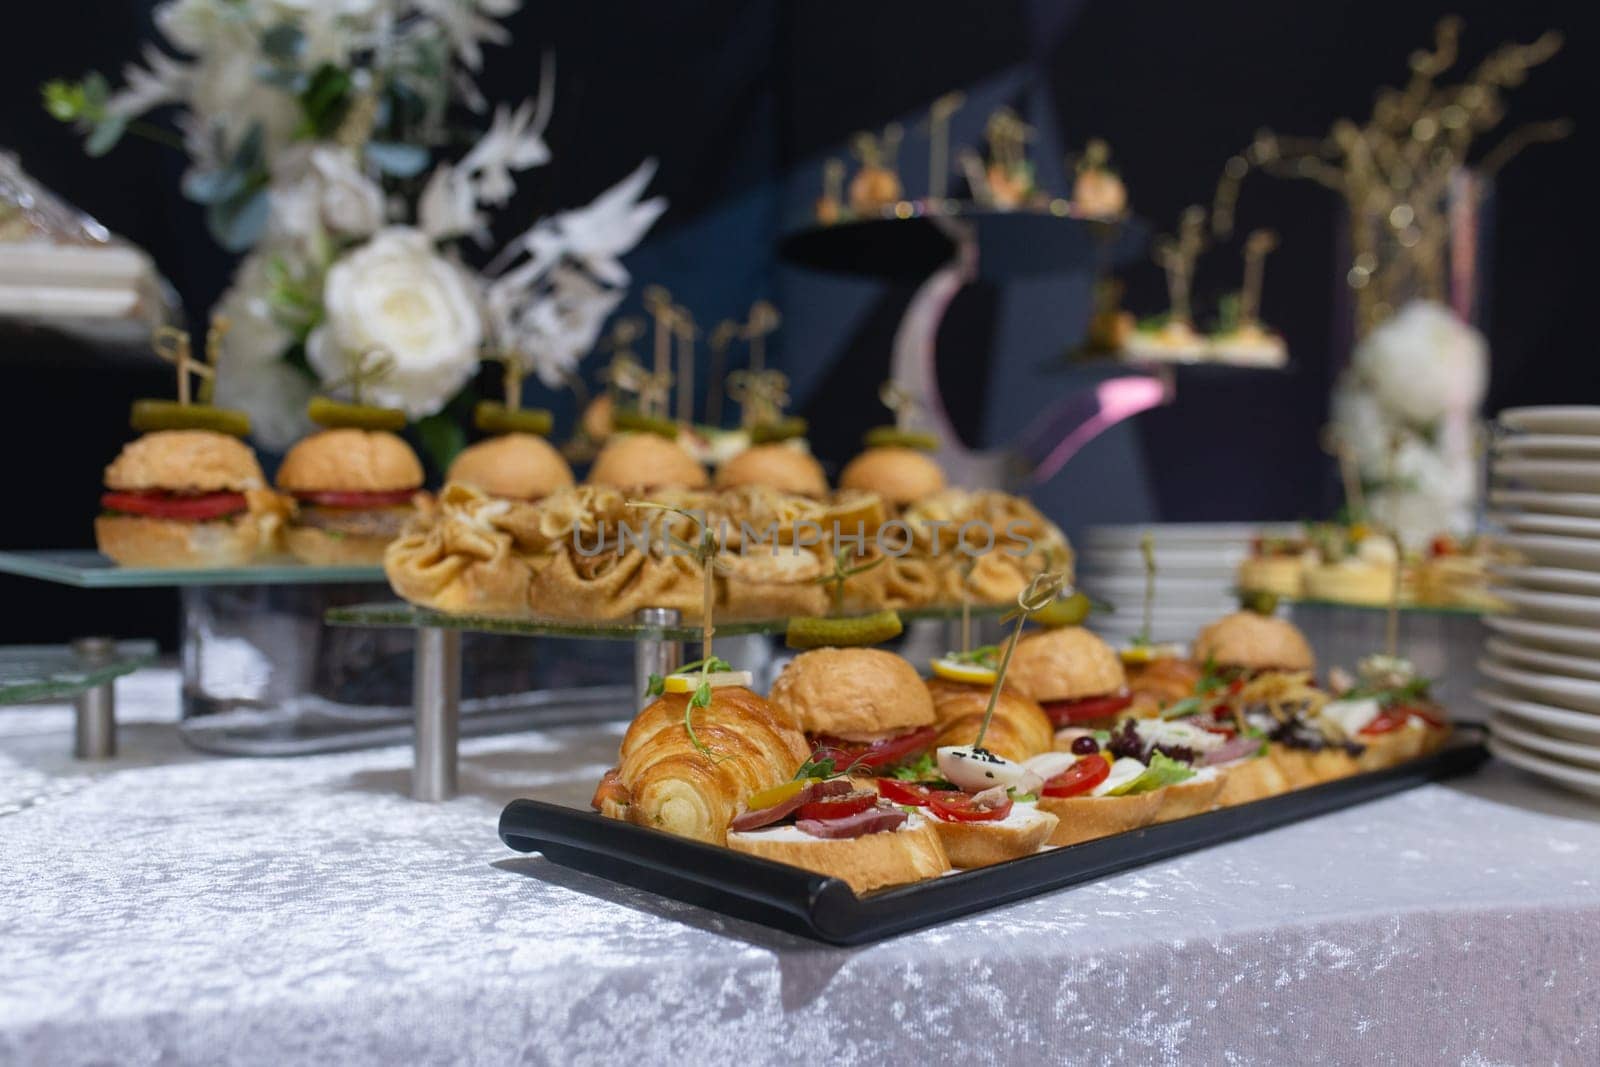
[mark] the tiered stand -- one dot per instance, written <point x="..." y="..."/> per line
<point x="84" y="672"/>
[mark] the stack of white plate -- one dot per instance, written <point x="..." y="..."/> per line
<point x="1197" y="568"/>
<point x="1541" y="664"/>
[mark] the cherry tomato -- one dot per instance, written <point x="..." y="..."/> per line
<point x="1077" y="712"/>
<point x="1078" y="778"/>
<point x="171" y="506"/>
<point x="837" y="807"/>
<point x="905" y="792"/>
<point x="952" y="805"/>
<point x="1391" y="719"/>
<point x="885" y="752"/>
<point x="341" y="499"/>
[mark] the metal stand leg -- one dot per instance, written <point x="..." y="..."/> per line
<point x="436" y="700"/>
<point x="94" y="734"/>
<point x="654" y="655"/>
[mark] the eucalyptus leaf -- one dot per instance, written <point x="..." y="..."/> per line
<point x="237" y="223"/>
<point x="107" y="132"/>
<point x="283" y="42"/>
<point x="214" y="186"/>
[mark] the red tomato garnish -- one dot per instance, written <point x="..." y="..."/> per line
<point x="885" y="752"/>
<point x="1077" y="779"/>
<point x="905" y="792"/>
<point x="837" y="807"/>
<point x="952" y="805"/>
<point x="340" y="499"/>
<point x="1442" y="545"/>
<point x="1089" y="709"/>
<point x="198" y="508"/>
<point x="1391" y="719"/>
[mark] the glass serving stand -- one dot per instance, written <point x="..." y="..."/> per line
<point x="262" y="675"/>
<point x="657" y="636"/>
<point x="84" y="672"/>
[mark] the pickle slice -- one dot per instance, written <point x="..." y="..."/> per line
<point x="807" y="632"/>
<point x="1259" y="601"/>
<point x="894" y="436"/>
<point x="336" y="414"/>
<point x="763" y="433"/>
<point x="637" y="421"/>
<point x="148" y="416"/>
<point x="497" y="418"/>
<point x="1066" y="611"/>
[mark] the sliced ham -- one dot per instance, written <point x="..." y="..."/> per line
<point x="1236" y="748"/>
<point x="870" y="821"/>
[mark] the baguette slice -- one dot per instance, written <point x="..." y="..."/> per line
<point x="980" y="844"/>
<point x="1397" y="746"/>
<point x="1254" y="778"/>
<point x="1086" y="818"/>
<point x="871" y="861"/>
<point x="1294" y="764"/>
<point x="1190" y="797"/>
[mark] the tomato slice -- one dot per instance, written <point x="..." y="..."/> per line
<point x="1079" y="778"/>
<point x="341" y="499"/>
<point x="899" y="792"/>
<point x="1089" y="709"/>
<point x="885" y="752"/>
<point x="952" y="805"/>
<point x="837" y="807"/>
<point x="1391" y="719"/>
<point x="198" y="508"/>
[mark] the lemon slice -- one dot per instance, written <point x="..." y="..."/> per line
<point x="1135" y="655"/>
<point x="688" y="683"/>
<point x="957" y="671"/>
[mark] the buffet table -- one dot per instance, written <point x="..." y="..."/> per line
<point x="171" y="907"/>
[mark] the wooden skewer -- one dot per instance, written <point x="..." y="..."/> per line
<point x="721" y="337"/>
<point x="939" y="142"/>
<point x="683" y="326"/>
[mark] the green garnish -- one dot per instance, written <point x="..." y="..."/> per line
<point x="1162" y="772"/>
<point x="842" y="573"/>
<point x="983" y="656"/>
<point x="919" y="769"/>
<point x="1182" y="708"/>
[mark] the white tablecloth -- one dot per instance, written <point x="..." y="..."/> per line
<point x="168" y="907"/>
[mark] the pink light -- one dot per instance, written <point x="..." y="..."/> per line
<point x="1118" y="399"/>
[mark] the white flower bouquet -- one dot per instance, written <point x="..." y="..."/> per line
<point x="319" y="135"/>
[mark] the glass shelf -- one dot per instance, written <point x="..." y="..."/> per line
<point x="88" y="569"/>
<point x="1405" y="608"/>
<point x="58" y="672"/>
<point x="399" y="613"/>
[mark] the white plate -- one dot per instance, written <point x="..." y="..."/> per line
<point x="1535" y="523"/>
<point x="1578" y="778"/>
<point x="1510" y="729"/>
<point x="1555" y="579"/>
<point x="1576" y="726"/>
<point x="1552" y="419"/>
<point x="1551" y="551"/>
<point x="1576" y="446"/>
<point x="1586" y="504"/>
<point x="1553" y="607"/>
<point x="1540" y="659"/>
<point x="1576" y="693"/>
<point x="1562" y="475"/>
<point x="1552" y="636"/>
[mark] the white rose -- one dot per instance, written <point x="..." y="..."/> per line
<point x="1425" y="363"/>
<point x="319" y="188"/>
<point x="397" y="296"/>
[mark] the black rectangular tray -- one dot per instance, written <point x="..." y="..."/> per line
<point x="788" y="898"/>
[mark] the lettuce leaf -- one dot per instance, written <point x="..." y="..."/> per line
<point x="1162" y="772"/>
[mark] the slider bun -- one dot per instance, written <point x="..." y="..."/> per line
<point x="139" y="541"/>
<point x="1068" y="663"/>
<point x="852" y="693"/>
<point x="350" y="461"/>
<point x="1086" y="818"/>
<point x="871" y="861"/>
<point x="322" y="549"/>
<point x="982" y="844"/>
<point x="1257" y="642"/>
<point x="520" y="466"/>
<point x="197" y="461"/>
<point x="900" y="475"/>
<point x="780" y="466"/>
<point x="646" y="461"/>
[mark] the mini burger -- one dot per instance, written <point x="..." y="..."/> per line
<point x="512" y="466"/>
<point x="784" y="467"/>
<point x="863" y="708"/>
<point x="645" y="461"/>
<point x="1077" y="678"/>
<point x="353" y="492"/>
<point x="1246" y="642"/>
<point x="898" y="474"/>
<point x="186" y="498"/>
